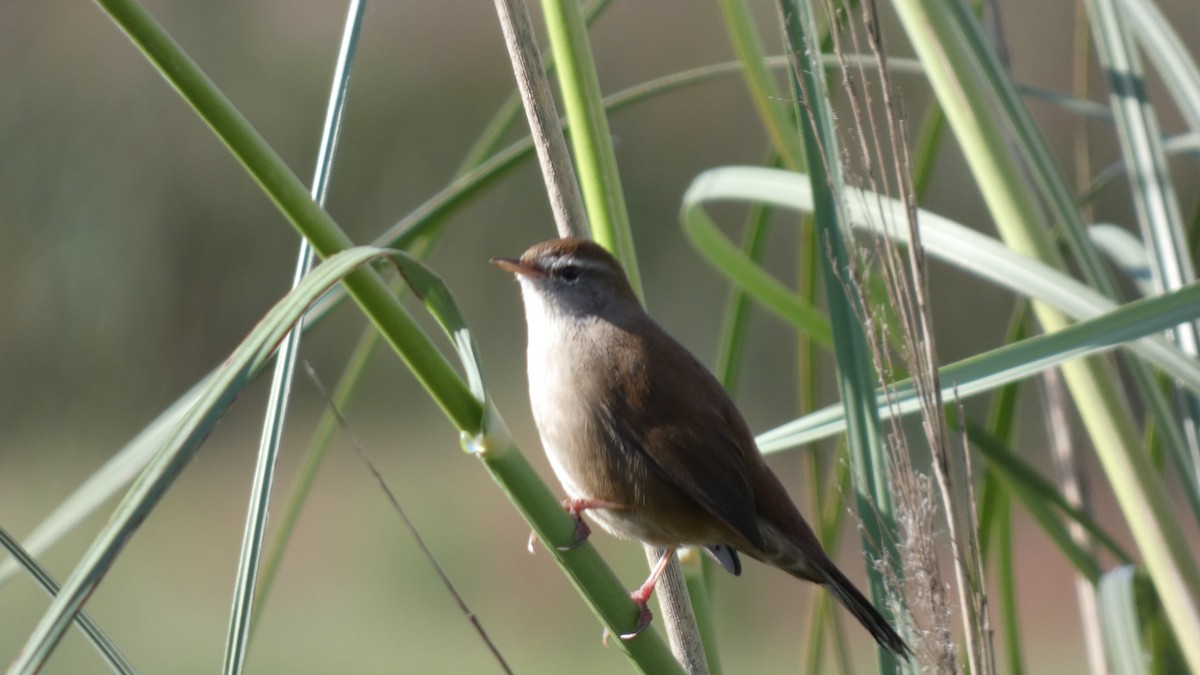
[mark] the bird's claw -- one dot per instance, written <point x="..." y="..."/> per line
<point x="582" y="532"/>
<point x="575" y="508"/>
<point x="643" y="621"/>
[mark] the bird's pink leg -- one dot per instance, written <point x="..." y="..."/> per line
<point x="642" y="595"/>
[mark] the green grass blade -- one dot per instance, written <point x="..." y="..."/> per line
<point x="1010" y="363"/>
<point x="995" y="511"/>
<point x="591" y="140"/>
<point x="771" y="107"/>
<point x="1119" y="619"/>
<point x="855" y="369"/>
<point x="750" y="278"/>
<point x="1180" y="72"/>
<point x="1040" y="496"/>
<point x="322" y="436"/>
<point x="250" y="556"/>
<point x="113" y="656"/>
<point x="1006" y="582"/>
<point x="731" y="344"/>
<point x="953" y="243"/>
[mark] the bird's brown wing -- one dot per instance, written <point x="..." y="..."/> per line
<point x="698" y="441"/>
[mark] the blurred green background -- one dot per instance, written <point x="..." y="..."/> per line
<point x="135" y="253"/>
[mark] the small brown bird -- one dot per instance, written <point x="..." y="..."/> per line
<point x="646" y="440"/>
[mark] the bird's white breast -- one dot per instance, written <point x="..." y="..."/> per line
<point x="550" y="384"/>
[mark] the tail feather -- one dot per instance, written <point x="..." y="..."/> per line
<point x="863" y="610"/>
<point x="793" y="548"/>
<point x="805" y="560"/>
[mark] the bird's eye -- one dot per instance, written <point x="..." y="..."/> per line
<point x="569" y="272"/>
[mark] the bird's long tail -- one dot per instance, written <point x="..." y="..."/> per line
<point x="862" y="609"/>
<point x="801" y="556"/>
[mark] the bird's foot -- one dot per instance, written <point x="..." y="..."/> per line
<point x="582" y="532"/>
<point x="643" y="622"/>
<point x="575" y="509"/>
<point x="644" y="616"/>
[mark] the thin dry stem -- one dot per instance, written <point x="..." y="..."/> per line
<point x="905" y="281"/>
<point x="679" y="618"/>
<point x="555" y="161"/>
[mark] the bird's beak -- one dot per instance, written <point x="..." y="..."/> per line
<point x="516" y="267"/>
